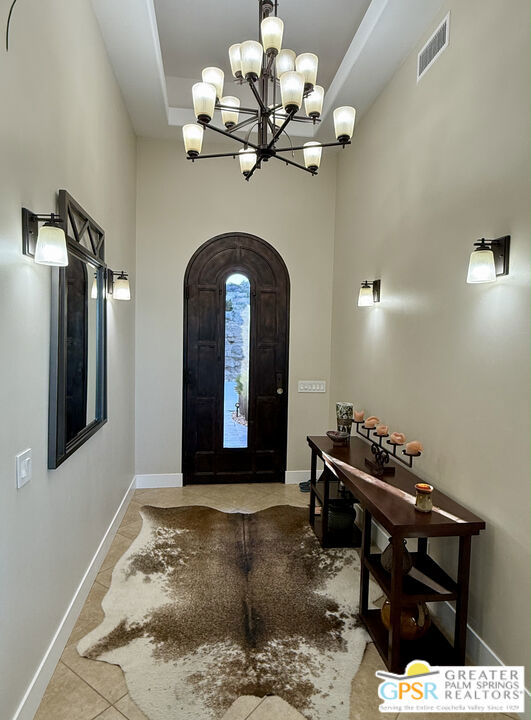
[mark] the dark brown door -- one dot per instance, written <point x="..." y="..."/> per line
<point x="236" y="324"/>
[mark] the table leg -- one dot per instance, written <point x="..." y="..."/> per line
<point x="324" y="510"/>
<point x="313" y="480"/>
<point x="422" y="546"/>
<point x="366" y="520"/>
<point x="396" y="606"/>
<point x="461" y="607"/>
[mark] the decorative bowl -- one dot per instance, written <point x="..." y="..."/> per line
<point x="338" y="437"/>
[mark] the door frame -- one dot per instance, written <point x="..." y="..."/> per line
<point x="254" y="243"/>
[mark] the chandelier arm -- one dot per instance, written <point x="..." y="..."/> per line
<point x="258" y="98"/>
<point x="249" y="134"/>
<point x="301" y="147"/>
<point x="245" y="110"/>
<point x="212" y="155"/>
<point x="291" y="162"/>
<point x="243" y="124"/>
<point x="281" y="129"/>
<point x="224" y="132"/>
<point x="251" y="172"/>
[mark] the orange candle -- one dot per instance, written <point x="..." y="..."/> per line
<point x="414" y="447"/>
<point x="372" y="421"/>
<point x="397" y="438"/>
<point x="359" y="415"/>
<point x="382" y="430"/>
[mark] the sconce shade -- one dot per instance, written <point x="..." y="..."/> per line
<point x="235" y="60"/>
<point x="247" y="160"/>
<point x="121" y="289"/>
<point x="481" y="268"/>
<point x="344" y="118"/>
<point x="215" y="76"/>
<point x="230" y="117"/>
<point x="204" y="96"/>
<point x="365" y="298"/>
<point x="313" y="103"/>
<point x="291" y="90"/>
<point x="285" y="62"/>
<point x="193" y="139"/>
<point x="251" y="54"/>
<point x="306" y="64"/>
<point x="272" y="30"/>
<point x="51" y="246"/>
<point x="312" y="155"/>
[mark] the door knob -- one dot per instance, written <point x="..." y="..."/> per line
<point x="280" y="391"/>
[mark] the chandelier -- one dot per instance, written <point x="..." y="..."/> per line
<point x="281" y="82"/>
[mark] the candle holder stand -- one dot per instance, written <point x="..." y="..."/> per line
<point x="379" y="464"/>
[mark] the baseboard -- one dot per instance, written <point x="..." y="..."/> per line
<point x="159" y="481"/>
<point x="33" y="695"/>
<point x="294" y="477"/>
<point x="478" y="652"/>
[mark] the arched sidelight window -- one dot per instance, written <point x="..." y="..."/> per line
<point x="236" y="375"/>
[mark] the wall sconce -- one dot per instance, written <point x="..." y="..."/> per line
<point x="119" y="288"/>
<point x="45" y="244"/>
<point x="369" y="293"/>
<point x="489" y="260"/>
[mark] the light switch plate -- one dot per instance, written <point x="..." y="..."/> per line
<point x="23" y="466"/>
<point x="312" y="386"/>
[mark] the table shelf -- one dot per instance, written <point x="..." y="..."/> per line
<point x="426" y="582"/>
<point x="433" y="647"/>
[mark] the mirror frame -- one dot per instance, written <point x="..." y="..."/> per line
<point x="79" y="227"/>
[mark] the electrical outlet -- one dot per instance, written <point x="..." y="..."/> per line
<point x="24" y="467"/>
<point x="312" y="386"/>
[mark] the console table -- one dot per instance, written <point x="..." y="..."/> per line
<point x="391" y="503"/>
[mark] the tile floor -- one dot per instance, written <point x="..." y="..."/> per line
<point x="82" y="689"/>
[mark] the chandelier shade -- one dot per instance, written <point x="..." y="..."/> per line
<point x="344" y="118"/>
<point x="291" y="90"/>
<point x="204" y="97"/>
<point x="312" y="155"/>
<point x="285" y="62"/>
<point x="283" y="90"/>
<point x="193" y="139"/>
<point x="251" y="54"/>
<point x="272" y="30"/>
<point x="230" y="117"/>
<point x="313" y="102"/>
<point x="235" y="60"/>
<point x="247" y="160"/>
<point x="215" y="76"/>
<point x="306" y="64"/>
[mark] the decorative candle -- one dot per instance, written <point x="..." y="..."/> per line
<point x="397" y="438"/>
<point x="382" y="430"/>
<point x="359" y="415"/>
<point x="413" y="448"/>
<point x="372" y="421"/>
<point x="344" y="412"/>
<point x="423" y="501"/>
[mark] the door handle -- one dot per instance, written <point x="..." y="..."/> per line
<point x="280" y="389"/>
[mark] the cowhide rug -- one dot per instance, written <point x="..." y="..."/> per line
<point x="208" y="606"/>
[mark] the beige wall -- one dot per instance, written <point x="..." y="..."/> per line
<point x="179" y="207"/>
<point x="435" y="166"/>
<point x="62" y="125"/>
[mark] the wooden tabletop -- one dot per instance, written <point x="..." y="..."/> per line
<point x="391" y="501"/>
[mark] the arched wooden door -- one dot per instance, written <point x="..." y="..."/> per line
<point x="235" y="384"/>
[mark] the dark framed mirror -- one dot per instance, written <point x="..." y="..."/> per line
<point x="78" y="353"/>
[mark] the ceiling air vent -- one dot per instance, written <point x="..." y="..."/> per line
<point x="434" y="47"/>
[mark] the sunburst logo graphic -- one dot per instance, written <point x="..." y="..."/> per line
<point x="415" y="669"/>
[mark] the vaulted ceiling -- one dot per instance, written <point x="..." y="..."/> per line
<point x="159" y="47"/>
